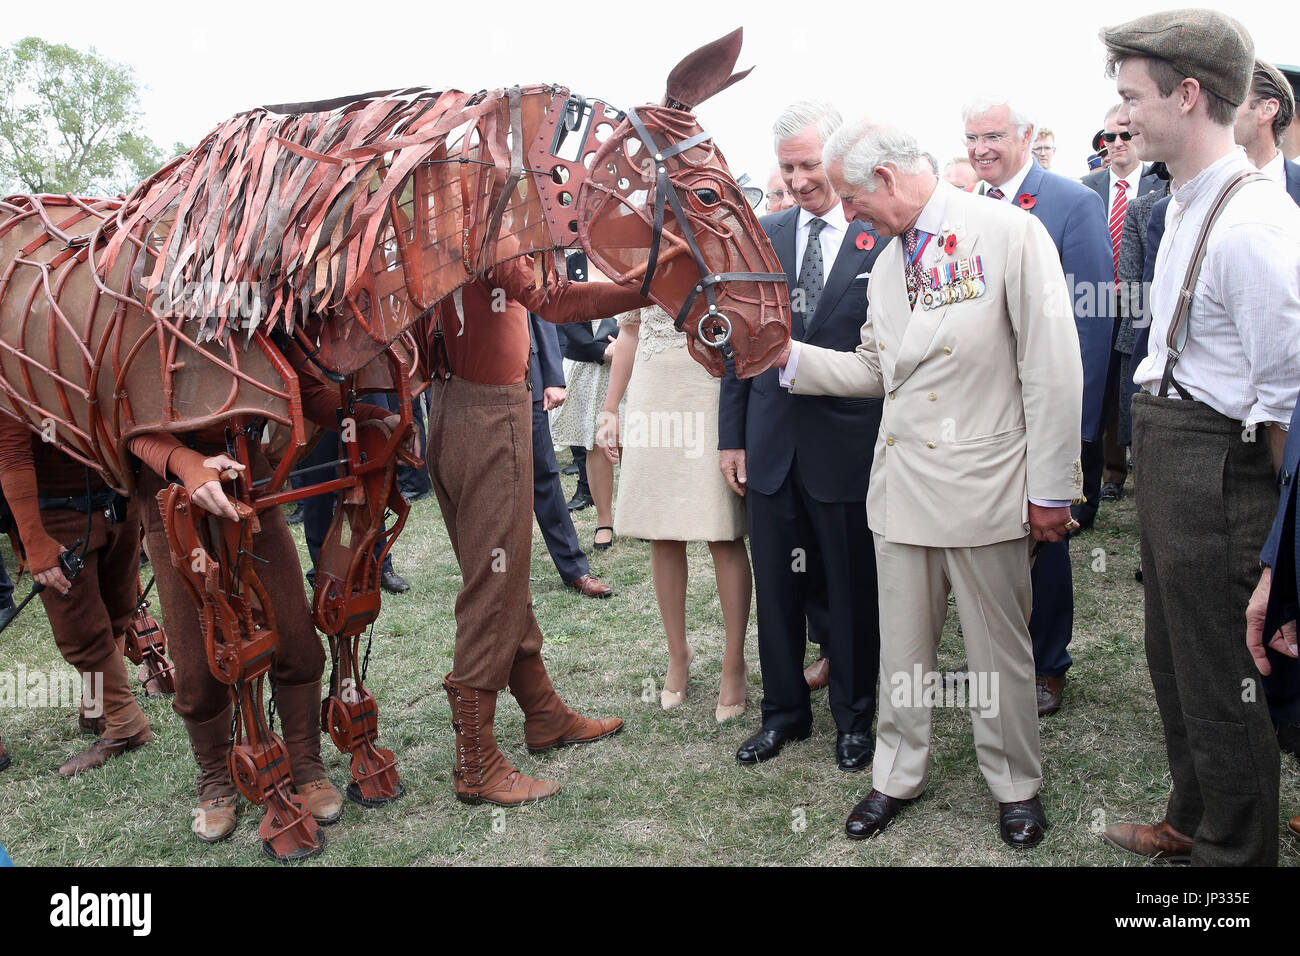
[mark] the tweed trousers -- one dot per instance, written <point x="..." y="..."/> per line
<point x="1205" y="500"/>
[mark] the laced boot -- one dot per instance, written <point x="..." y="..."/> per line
<point x="482" y="774"/>
<point x="548" y="721"/>
<point x="214" y="819"/>
<point x="299" y="707"/>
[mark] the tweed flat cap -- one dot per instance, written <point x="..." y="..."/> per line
<point x="1210" y="47"/>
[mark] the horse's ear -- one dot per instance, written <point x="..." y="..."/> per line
<point x="705" y="72"/>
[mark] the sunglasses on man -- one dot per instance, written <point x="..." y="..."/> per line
<point x="1110" y="137"/>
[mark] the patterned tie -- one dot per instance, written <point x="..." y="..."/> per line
<point x="811" y="278"/>
<point x="912" y="265"/>
<point x="1117" y="211"/>
<point x="995" y="193"/>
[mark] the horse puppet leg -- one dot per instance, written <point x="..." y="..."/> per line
<point x="215" y="560"/>
<point x="347" y="602"/>
<point x="146" y="647"/>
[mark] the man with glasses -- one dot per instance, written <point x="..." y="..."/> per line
<point x="1045" y="148"/>
<point x="779" y="199"/>
<point x="1105" y="462"/>
<point x="997" y="142"/>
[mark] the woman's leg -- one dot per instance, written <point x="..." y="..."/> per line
<point x="735" y="587"/>
<point x="668" y="565"/>
<point x="600" y="475"/>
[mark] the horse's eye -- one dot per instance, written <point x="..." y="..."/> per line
<point x="708" y="196"/>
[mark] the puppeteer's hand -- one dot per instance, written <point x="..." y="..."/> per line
<point x="53" y="577"/>
<point x="1284" y="641"/>
<point x="210" y="495"/>
<point x="412" y="443"/>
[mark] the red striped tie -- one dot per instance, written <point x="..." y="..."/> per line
<point x="995" y="193"/>
<point x="1117" y="211"/>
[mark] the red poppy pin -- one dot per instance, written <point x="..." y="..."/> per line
<point x="1025" y="201"/>
<point x="866" y="241"/>
<point x="950" y="244"/>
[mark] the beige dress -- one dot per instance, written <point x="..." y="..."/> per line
<point x="670" y="487"/>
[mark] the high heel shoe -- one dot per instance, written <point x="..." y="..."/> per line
<point x="726" y="712"/>
<point x="669" y="699"/>
<point x="602" y="545"/>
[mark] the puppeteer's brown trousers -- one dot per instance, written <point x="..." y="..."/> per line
<point x="90" y="622"/>
<point x="480" y="456"/>
<point x="300" y="659"/>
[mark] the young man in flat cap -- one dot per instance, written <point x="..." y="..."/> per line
<point x="1219" y="386"/>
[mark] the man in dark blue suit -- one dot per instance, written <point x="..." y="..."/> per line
<point x="997" y="140"/>
<point x="546" y="379"/>
<point x="803" y="463"/>
<point x="1105" y="461"/>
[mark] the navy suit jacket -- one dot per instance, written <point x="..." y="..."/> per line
<point x="582" y="345"/>
<point x="545" y="370"/>
<point x="833" y="437"/>
<point x="1099" y="182"/>
<point x="1282" y="550"/>
<point x="1076" y="220"/>
<point x="1156" y="232"/>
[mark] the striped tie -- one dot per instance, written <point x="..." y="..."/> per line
<point x="995" y="193"/>
<point x="1117" y="210"/>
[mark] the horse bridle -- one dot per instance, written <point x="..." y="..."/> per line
<point x="666" y="193"/>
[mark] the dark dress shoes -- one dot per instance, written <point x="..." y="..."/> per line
<point x="766" y="744"/>
<point x="854" y="751"/>
<point x="8" y="613"/>
<point x="873" y="814"/>
<point x="393" y="583"/>
<point x="1111" y="491"/>
<point x="1048" y="690"/>
<point x="580" y="501"/>
<point x="1022" y="823"/>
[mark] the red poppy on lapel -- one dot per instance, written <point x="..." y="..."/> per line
<point x="866" y="241"/>
<point x="1025" y="201"/>
<point x="950" y="244"/>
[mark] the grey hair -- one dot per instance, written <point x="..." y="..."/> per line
<point x="798" y="116"/>
<point x="863" y="145"/>
<point x="982" y="104"/>
<point x="1112" y="111"/>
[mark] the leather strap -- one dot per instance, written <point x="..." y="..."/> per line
<point x="1176" y="340"/>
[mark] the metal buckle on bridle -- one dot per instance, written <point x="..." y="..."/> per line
<point x="666" y="192"/>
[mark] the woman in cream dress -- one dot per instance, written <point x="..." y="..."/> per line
<point x="671" y="490"/>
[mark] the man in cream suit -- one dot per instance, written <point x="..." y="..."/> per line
<point x="970" y="339"/>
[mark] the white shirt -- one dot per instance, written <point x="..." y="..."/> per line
<point x="1130" y="191"/>
<point x="1011" y="188"/>
<point x="1242" y="356"/>
<point x="1275" y="169"/>
<point x="831" y="236"/>
<point x="932" y="221"/>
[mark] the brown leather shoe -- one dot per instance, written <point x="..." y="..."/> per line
<point x="817" y="674"/>
<point x="4" y="757"/>
<point x="1049" y="691"/>
<point x="214" y="820"/>
<point x="1293" y="825"/>
<point x="1022" y="823"/>
<point x="324" y="802"/>
<point x="873" y="814"/>
<point x="482" y="773"/>
<point x="1159" y="842"/>
<point x="548" y="721"/>
<point x="591" y="586"/>
<point x="99" y="753"/>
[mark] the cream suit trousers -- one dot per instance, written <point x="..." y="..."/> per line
<point x="991" y="584"/>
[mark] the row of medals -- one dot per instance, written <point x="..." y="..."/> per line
<point x="966" y="281"/>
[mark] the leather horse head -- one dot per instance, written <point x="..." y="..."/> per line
<point x="659" y="207"/>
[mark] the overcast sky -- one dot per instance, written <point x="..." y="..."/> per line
<point x="913" y="63"/>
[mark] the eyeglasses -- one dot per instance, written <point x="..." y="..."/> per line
<point x="1110" y="137"/>
<point x="776" y="195"/>
<point x="1044" y="149"/>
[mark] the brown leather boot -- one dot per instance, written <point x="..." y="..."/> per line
<point x="103" y="750"/>
<point x="214" y="819"/>
<point x="4" y="757"/>
<point x="1159" y="842"/>
<point x="548" y="722"/>
<point x="482" y="774"/>
<point x="299" y="707"/>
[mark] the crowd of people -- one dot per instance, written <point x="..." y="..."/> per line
<point x="981" y="357"/>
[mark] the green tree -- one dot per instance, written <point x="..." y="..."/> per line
<point x="70" y="122"/>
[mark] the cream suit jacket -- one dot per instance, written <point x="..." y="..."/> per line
<point x="983" y="397"/>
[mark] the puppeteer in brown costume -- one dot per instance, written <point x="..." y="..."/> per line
<point x="480" y="459"/>
<point x="54" y="506"/>
<point x="202" y="701"/>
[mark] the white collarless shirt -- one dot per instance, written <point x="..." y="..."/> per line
<point x="1242" y="356"/>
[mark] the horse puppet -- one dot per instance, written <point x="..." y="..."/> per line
<point x="326" y="230"/>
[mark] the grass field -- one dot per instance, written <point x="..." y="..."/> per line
<point x="668" y="789"/>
